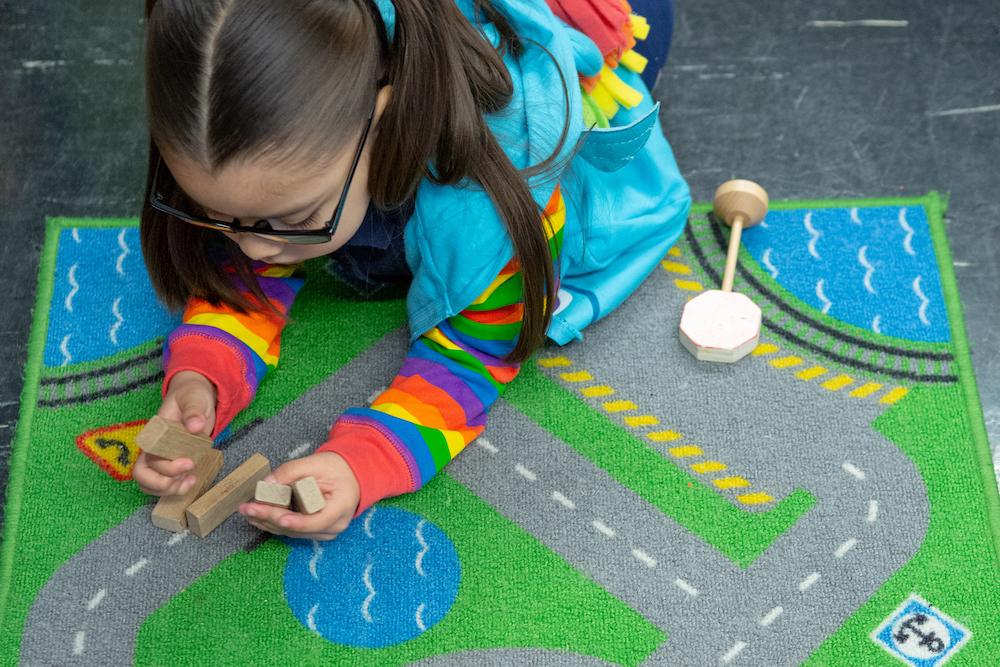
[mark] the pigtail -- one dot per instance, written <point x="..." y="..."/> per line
<point x="440" y="64"/>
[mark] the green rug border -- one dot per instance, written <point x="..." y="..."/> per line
<point x="934" y="203"/>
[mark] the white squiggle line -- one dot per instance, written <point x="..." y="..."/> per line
<point x="420" y="621"/>
<point x="908" y="241"/>
<point x="426" y="548"/>
<point x="766" y="259"/>
<point x="854" y="216"/>
<point x="822" y="297"/>
<point x="311" y="618"/>
<point x="64" y="348"/>
<point x="125" y="252"/>
<point x="763" y="223"/>
<point x="76" y="288"/>
<point x="923" y="301"/>
<point x="813" y="234"/>
<point x="871" y="269"/>
<point x="877" y="324"/>
<point x="317" y="554"/>
<point x="368" y="523"/>
<point x="371" y="593"/>
<point x="113" y="334"/>
<point x="76" y="234"/>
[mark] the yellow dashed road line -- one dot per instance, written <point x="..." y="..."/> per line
<point x="866" y="390"/>
<point x="811" y="373"/>
<point x="664" y="436"/>
<point x="708" y="466"/>
<point x="754" y="498"/>
<point x="676" y="267"/>
<point x="689" y="285"/>
<point x="838" y="383"/>
<point x="894" y="395"/>
<point x="730" y="482"/>
<point x="638" y="421"/>
<point x="786" y="362"/>
<point x="642" y="420"/>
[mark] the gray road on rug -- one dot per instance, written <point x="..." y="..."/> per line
<point x="870" y="515"/>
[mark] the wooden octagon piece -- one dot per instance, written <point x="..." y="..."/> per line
<point x="720" y="326"/>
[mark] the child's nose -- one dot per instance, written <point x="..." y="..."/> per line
<point x="258" y="248"/>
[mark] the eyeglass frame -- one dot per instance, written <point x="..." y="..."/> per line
<point x="297" y="236"/>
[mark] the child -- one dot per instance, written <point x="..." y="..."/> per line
<point x="505" y="165"/>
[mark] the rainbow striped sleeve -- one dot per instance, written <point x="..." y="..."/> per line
<point x="453" y="374"/>
<point x="234" y="350"/>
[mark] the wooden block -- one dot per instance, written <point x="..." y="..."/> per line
<point x="279" y="495"/>
<point x="169" y="513"/>
<point x="308" y="497"/>
<point x="171" y="441"/>
<point x="206" y="513"/>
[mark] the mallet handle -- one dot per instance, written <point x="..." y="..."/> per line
<point x="733" y="253"/>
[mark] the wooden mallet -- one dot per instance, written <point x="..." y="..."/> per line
<point x="722" y="325"/>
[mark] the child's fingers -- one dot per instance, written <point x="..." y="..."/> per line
<point x="153" y="483"/>
<point x="171" y="468"/>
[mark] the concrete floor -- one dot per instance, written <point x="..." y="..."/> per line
<point x="766" y="90"/>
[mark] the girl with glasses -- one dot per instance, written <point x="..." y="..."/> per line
<point x="502" y="159"/>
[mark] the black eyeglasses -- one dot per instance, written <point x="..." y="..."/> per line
<point x="263" y="227"/>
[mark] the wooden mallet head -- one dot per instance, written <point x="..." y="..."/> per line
<point x="722" y="325"/>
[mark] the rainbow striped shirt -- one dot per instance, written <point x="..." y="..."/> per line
<point x="435" y="406"/>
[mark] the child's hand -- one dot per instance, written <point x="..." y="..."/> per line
<point x="339" y="486"/>
<point x="190" y="400"/>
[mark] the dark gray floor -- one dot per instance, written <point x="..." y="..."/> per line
<point x="752" y="89"/>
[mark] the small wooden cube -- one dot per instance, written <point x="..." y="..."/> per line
<point x="308" y="497"/>
<point x="171" y="441"/>
<point x="170" y="511"/>
<point x="279" y="495"/>
<point x="206" y="513"/>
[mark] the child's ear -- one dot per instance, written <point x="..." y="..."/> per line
<point x="382" y="100"/>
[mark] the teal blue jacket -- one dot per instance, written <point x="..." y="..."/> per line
<point x="625" y="198"/>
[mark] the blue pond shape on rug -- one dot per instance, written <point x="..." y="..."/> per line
<point x="102" y="300"/>
<point x="873" y="267"/>
<point x="390" y="577"/>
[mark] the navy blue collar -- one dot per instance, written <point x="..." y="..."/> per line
<point x="379" y="228"/>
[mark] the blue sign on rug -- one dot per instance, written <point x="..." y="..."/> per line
<point x="920" y="635"/>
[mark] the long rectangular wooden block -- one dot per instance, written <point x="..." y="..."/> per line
<point x="279" y="495"/>
<point x="206" y="513"/>
<point x="171" y="441"/>
<point x="308" y="496"/>
<point x="169" y="513"/>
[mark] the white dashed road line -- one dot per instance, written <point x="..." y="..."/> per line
<point x="563" y="500"/>
<point x="686" y="587"/>
<point x="644" y="557"/>
<point x="136" y="566"/>
<point x="846" y="546"/>
<point x="525" y="473"/>
<point x="734" y="651"/>
<point x="96" y="600"/>
<point x="809" y="581"/>
<point x="602" y="527"/>
<point x="769" y="617"/>
<point x="853" y="470"/>
<point x="487" y="445"/>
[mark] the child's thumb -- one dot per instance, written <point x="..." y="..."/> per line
<point x="194" y="413"/>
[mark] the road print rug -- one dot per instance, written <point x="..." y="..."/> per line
<point x="828" y="500"/>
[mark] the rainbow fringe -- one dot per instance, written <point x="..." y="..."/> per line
<point x="612" y="26"/>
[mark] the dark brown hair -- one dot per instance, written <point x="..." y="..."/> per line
<point x="234" y="80"/>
